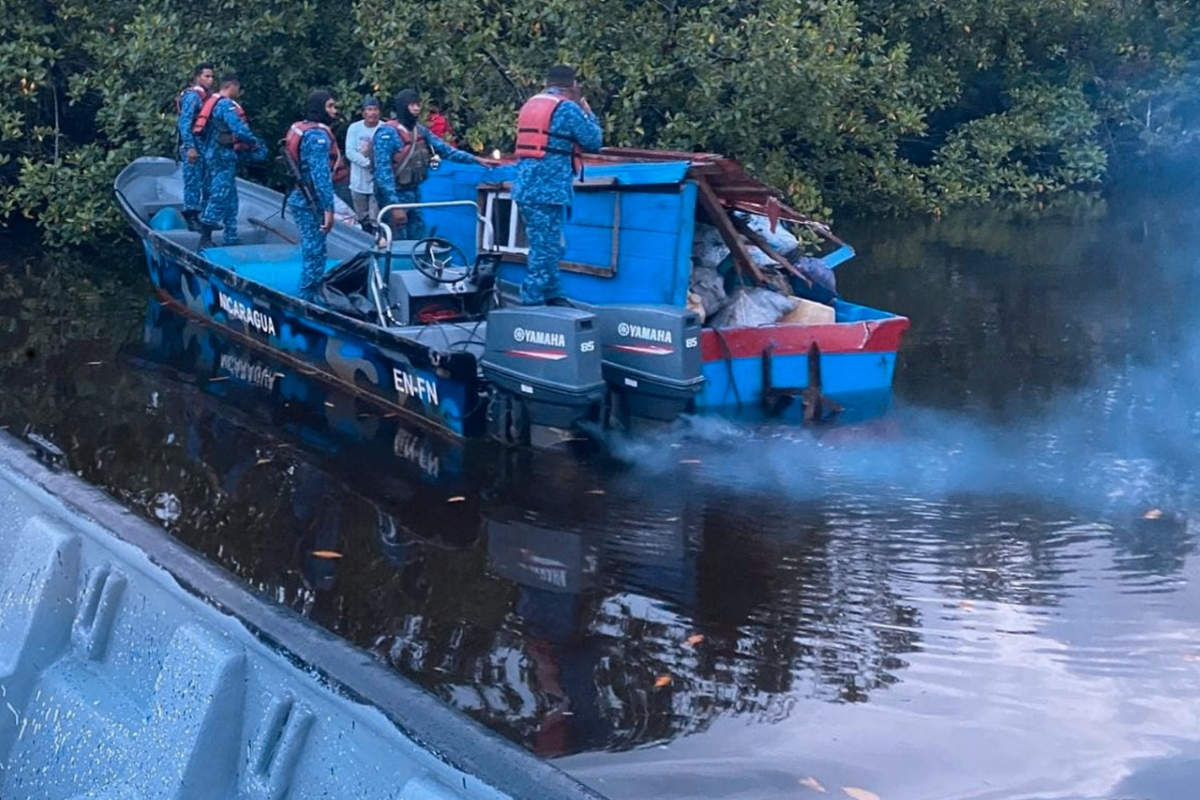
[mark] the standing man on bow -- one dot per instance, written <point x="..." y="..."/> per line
<point x="359" y="139"/>
<point x="404" y="149"/>
<point x="553" y="129"/>
<point x="188" y="105"/>
<point x="222" y="129"/>
<point x="316" y="163"/>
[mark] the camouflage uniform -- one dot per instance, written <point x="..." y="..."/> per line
<point x="314" y="166"/>
<point x="193" y="174"/>
<point x="386" y="144"/>
<point x="543" y="189"/>
<point x="221" y="161"/>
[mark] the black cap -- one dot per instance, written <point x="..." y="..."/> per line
<point x="561" y="75"/>
<point x="370" y="102"/>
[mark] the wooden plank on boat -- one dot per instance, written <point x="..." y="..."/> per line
<point x="716" y="213"/>
<point x="760" y="241"/>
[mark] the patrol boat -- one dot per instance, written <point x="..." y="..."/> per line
<point x="432" y="327"/>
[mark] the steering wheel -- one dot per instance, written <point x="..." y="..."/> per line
<point x="440" y="260"/>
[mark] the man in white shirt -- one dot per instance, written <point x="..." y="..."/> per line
<point x="358" y="151"/>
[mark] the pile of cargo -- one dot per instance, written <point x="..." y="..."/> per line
<point x="725" y="295"/>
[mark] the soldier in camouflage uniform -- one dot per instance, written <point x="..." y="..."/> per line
<point x="403" y="149"/>
<point x="225" y="138"/>
<point x="314" y="150"/>
<point x="552" y="129"/>
<point x="189" y="102"/>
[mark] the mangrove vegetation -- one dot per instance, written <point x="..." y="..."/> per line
<point x="869" y="105"/>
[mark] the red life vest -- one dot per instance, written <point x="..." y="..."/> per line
<point x="534" y="139"/>
<point x="338" y="167"/>
<point x="202" y="116"/>
<point x="410" y="164"/>
<point x="226" y="138"/>
<point x="199" y="90"/>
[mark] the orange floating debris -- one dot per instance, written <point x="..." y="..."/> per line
<point x="695" y="639"/>
<point x="457" y="499"/>
<point x="661" y="681"/>
<point x="859" y="794"/>
<point x="326" y="554"/>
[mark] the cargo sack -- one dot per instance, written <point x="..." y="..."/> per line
<point x="708" y="285"/>
<point x="344" y="288"/>
<point x="748" y="308"/>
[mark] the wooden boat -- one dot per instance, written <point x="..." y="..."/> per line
<point x="432" y="327"/>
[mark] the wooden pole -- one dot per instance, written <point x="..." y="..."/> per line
<point x="716" y="213"/>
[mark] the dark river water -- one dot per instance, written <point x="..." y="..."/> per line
<point x="988" y="590"/>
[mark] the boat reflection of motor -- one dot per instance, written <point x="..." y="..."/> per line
<point x="550" y="561"/>
<point x="556" y="572"/>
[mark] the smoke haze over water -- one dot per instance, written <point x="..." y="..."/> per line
<point x="1123" y="442"/>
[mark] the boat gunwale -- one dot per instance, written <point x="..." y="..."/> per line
<point x="382" y="338"/>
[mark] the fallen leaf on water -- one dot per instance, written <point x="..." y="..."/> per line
<point x="1154" y="513"/>
<point x="812" y="783"/>
<point x="595" y="491"/>
<point x="661" y="681"/>
<point x="859" y="794"/>
<point x="326" y="554"/>
<point x="689" y="461"/>
<point x="457" y="499"/>
<point x="695" y="639"/>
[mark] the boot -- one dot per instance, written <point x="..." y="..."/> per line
<point x="192" y="218"/>
<point x="206" y="232"/>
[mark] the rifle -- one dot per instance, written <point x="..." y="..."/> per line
<point x="522" y="93"/>
<point x="307" y="190"/>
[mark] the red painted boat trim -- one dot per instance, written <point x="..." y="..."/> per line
<point x="869" y="336"/>
<point x="642" y="349"/>
<point x="541" y="355"/>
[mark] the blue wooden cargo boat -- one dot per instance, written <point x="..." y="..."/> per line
<point x="432" y="327"/>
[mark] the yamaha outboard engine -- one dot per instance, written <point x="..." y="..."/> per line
<point x="651" y="359"/>
<point x="544" y="367"/>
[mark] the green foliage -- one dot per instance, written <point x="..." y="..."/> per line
<point x="876" y="105"/>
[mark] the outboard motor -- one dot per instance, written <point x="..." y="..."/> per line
<point x="544" y="367"/>
<point x="651" y="359"/>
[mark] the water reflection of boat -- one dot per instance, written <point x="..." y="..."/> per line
<point x="544" y="594"/>
<point x="241" y="408"/>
